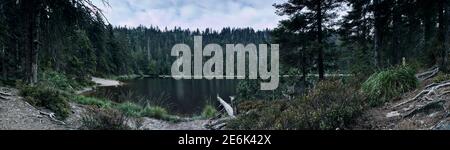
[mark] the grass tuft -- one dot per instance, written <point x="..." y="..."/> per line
<point x="385" y="85"/>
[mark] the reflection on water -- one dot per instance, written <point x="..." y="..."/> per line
<point x="183" y="97"/>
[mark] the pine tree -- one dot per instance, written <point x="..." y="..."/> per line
<point x="318" y="13"/>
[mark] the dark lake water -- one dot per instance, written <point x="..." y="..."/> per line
<point x="182" y="97"/>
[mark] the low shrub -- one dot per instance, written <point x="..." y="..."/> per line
<point x="328" y="106"/>
<point x="48" y="98"/>
<point x="209" y="112"/>
<point x="385" y="85"/>
<point x="104" y="119"/>
<point x="127" y="77"/>
<point x="154" y="112"/>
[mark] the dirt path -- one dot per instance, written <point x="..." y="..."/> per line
<point x="16" y="114"/>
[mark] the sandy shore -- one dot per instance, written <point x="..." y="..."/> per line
<point x="105" y="82"/>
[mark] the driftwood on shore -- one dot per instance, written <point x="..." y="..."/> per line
<point x="219" y="122"/>
<point x="228" y="108"/>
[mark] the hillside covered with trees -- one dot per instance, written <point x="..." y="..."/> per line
<point x="366" y="54"/>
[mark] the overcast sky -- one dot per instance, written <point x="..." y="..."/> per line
<point x="192" y="14"/>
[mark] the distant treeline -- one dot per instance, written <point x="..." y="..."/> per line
<point x="72" y="37"/>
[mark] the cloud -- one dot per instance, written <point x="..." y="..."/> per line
<point x="192" y="14"/>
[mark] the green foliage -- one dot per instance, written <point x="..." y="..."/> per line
<point x="328" y="106"/>
<point x="152" y="68"/>
<point x="209" y="111"/>
<point x="104" y="119"/>
<point x="58" y="81"/>
<point x="155" y="112"/>
<point x="125" y="77"/>
<point x="385" y="85"/>
<point x="333" y="105"/>
<point x="100" y="103"/>
<point x="129" y="109"/>
<point x="48" y="98"/>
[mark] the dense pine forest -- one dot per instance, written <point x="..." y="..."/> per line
<point x="73" y="38"/>
<point x="365" y="53"/>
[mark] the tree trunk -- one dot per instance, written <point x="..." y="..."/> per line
<point x="36" y="47"/>
<point x="427" y="31"/>
<point x="3" y="56"/>
<point x="149" y="56"/>
<point x="303" y="65"/>
<point x="34" y="43"/>
<point x="377" y="34"/>
<point x="396" y="21"/>
<point x="443" y="38"/>
<point x="320" y="58"/>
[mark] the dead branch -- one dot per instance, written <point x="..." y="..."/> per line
<point x="52" y="117"/>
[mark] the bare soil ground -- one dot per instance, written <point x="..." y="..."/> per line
<point x="17" y="114"/>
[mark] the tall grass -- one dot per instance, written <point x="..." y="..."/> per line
<point x="129" y="109"/>
<point x="100" y="103"/>
<point x="155" y="112"/>
<point x="385" y="85"/>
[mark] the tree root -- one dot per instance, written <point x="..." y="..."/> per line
<point x="432" y="95"/>
<point x="5" y="96"/>
<point x="427" y="94"/>
<point x="428" y="74"/>
<point x="423" y="107"/>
